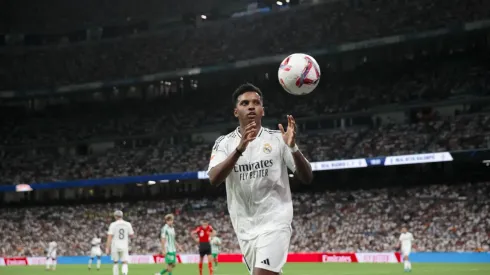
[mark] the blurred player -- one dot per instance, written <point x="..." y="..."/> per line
<point x="51" y="257"/>
<point x="202" y="234"/>
<point x="215" y="247"/>
<point x="169" y="245"/>
<point x="406" y="239"/>
<point x="118" y="242"/>
<point x="95" y="252"/>
<point x="254" y="161"/>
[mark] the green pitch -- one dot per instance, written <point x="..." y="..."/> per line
<point x="290" y="269"/>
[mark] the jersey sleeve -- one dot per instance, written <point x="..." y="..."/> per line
<point x="111" y="229"/>
<point x="218" y="153"/>
<point x="287" y="157"/>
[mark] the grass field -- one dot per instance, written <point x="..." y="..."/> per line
<point x="292" y="269"/>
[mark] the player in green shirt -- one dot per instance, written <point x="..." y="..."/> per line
<point x="215" y="245"/>
<point x="169" y="245"/>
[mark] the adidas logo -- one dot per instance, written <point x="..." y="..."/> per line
<point x="266" y="261"/>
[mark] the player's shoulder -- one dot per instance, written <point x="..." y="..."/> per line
<point x="224" y="139"/>
<point x="274" y="136"/>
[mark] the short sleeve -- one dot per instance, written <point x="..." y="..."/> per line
<point x="287" y="157"/>
<point x="218" y="153"/>
<point x="111" y="229"/>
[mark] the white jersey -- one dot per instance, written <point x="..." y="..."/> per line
<point x="120" y="231"/>
<point x="406" y="240"/>
<point x="96" y="242"/>
<point x="257" y="189"/>
<point x="52" y="247"/>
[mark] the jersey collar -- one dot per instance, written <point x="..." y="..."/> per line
<point x="237" y="130"/>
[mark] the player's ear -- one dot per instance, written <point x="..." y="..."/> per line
<point x="235" y="112"/>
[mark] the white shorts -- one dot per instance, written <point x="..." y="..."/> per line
<point x="119" y="255"/>
<point x="52" y="255"/>
<point x="268" y="251"/>
<point x="95" y="252"/>
<point x="406" y="252"/>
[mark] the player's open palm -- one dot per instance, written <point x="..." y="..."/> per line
<point x="289" y="135"/>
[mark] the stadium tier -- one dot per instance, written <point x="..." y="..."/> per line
<point x="116" y="105"/>
<point x="300" y="29"/>
<point x="49" y="165"/>
<point x="442" y="218"/>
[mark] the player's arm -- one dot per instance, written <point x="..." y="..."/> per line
<point x="179" y="247"/>
<point x="108" y="244"/>
<point x="222" y="164"/>
<point x="194" y="234"/>
<point x="295" y="160"/>
<point x="303" y="168"/>
<point x="163" y="240"/>
<point x="110" y="234"/>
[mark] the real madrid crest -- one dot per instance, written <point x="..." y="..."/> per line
<point x="267" y="148"/>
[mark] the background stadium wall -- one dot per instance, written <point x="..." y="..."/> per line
<point x="387" y="257"/>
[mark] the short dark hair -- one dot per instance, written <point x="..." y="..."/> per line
<point x="247" y="87"/>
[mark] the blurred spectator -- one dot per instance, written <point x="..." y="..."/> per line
<point x="441" y="218"/>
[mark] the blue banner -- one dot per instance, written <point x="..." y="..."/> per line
<point x="450" y="257"/>
<point x="316" y="166"/>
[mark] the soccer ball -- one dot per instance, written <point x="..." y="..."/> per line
<point x="299" y="74"/>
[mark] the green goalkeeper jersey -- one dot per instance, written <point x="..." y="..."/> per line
<point x="168" y="232"/>
<point x="215" y="245"/>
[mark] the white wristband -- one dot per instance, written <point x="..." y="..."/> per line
<point x="294" y="149"/>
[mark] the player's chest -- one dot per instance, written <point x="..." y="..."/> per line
<point x="205" y="231"/>
<point x="258" y="150"/>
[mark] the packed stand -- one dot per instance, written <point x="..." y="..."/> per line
<point x="223" y="42"/>
<point x="178" y="111"/>
<point x="62" y="16"/>
<point x="161" y="156"/>
<point x="441" y="218"/>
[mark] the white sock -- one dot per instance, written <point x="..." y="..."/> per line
<point x="48" y="263"/>
<point x="115" y="270"/>
<point x="124" y="269"/>
<point x="409" y="265"/>
<point x="54" y="264"/>
<point x="405" y="264"/>
<point x="98" y="263"/>
<point x="90" y="263"/>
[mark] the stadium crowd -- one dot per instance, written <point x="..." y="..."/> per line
<point x="457" y="133"/>
<point x="441" y="217"/>
<point x="345" y="92"/>
<point x="225" y="42"/>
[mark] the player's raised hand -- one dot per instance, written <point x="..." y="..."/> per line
<point x="248" y="135"/>
<point x="289" y="135"/>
